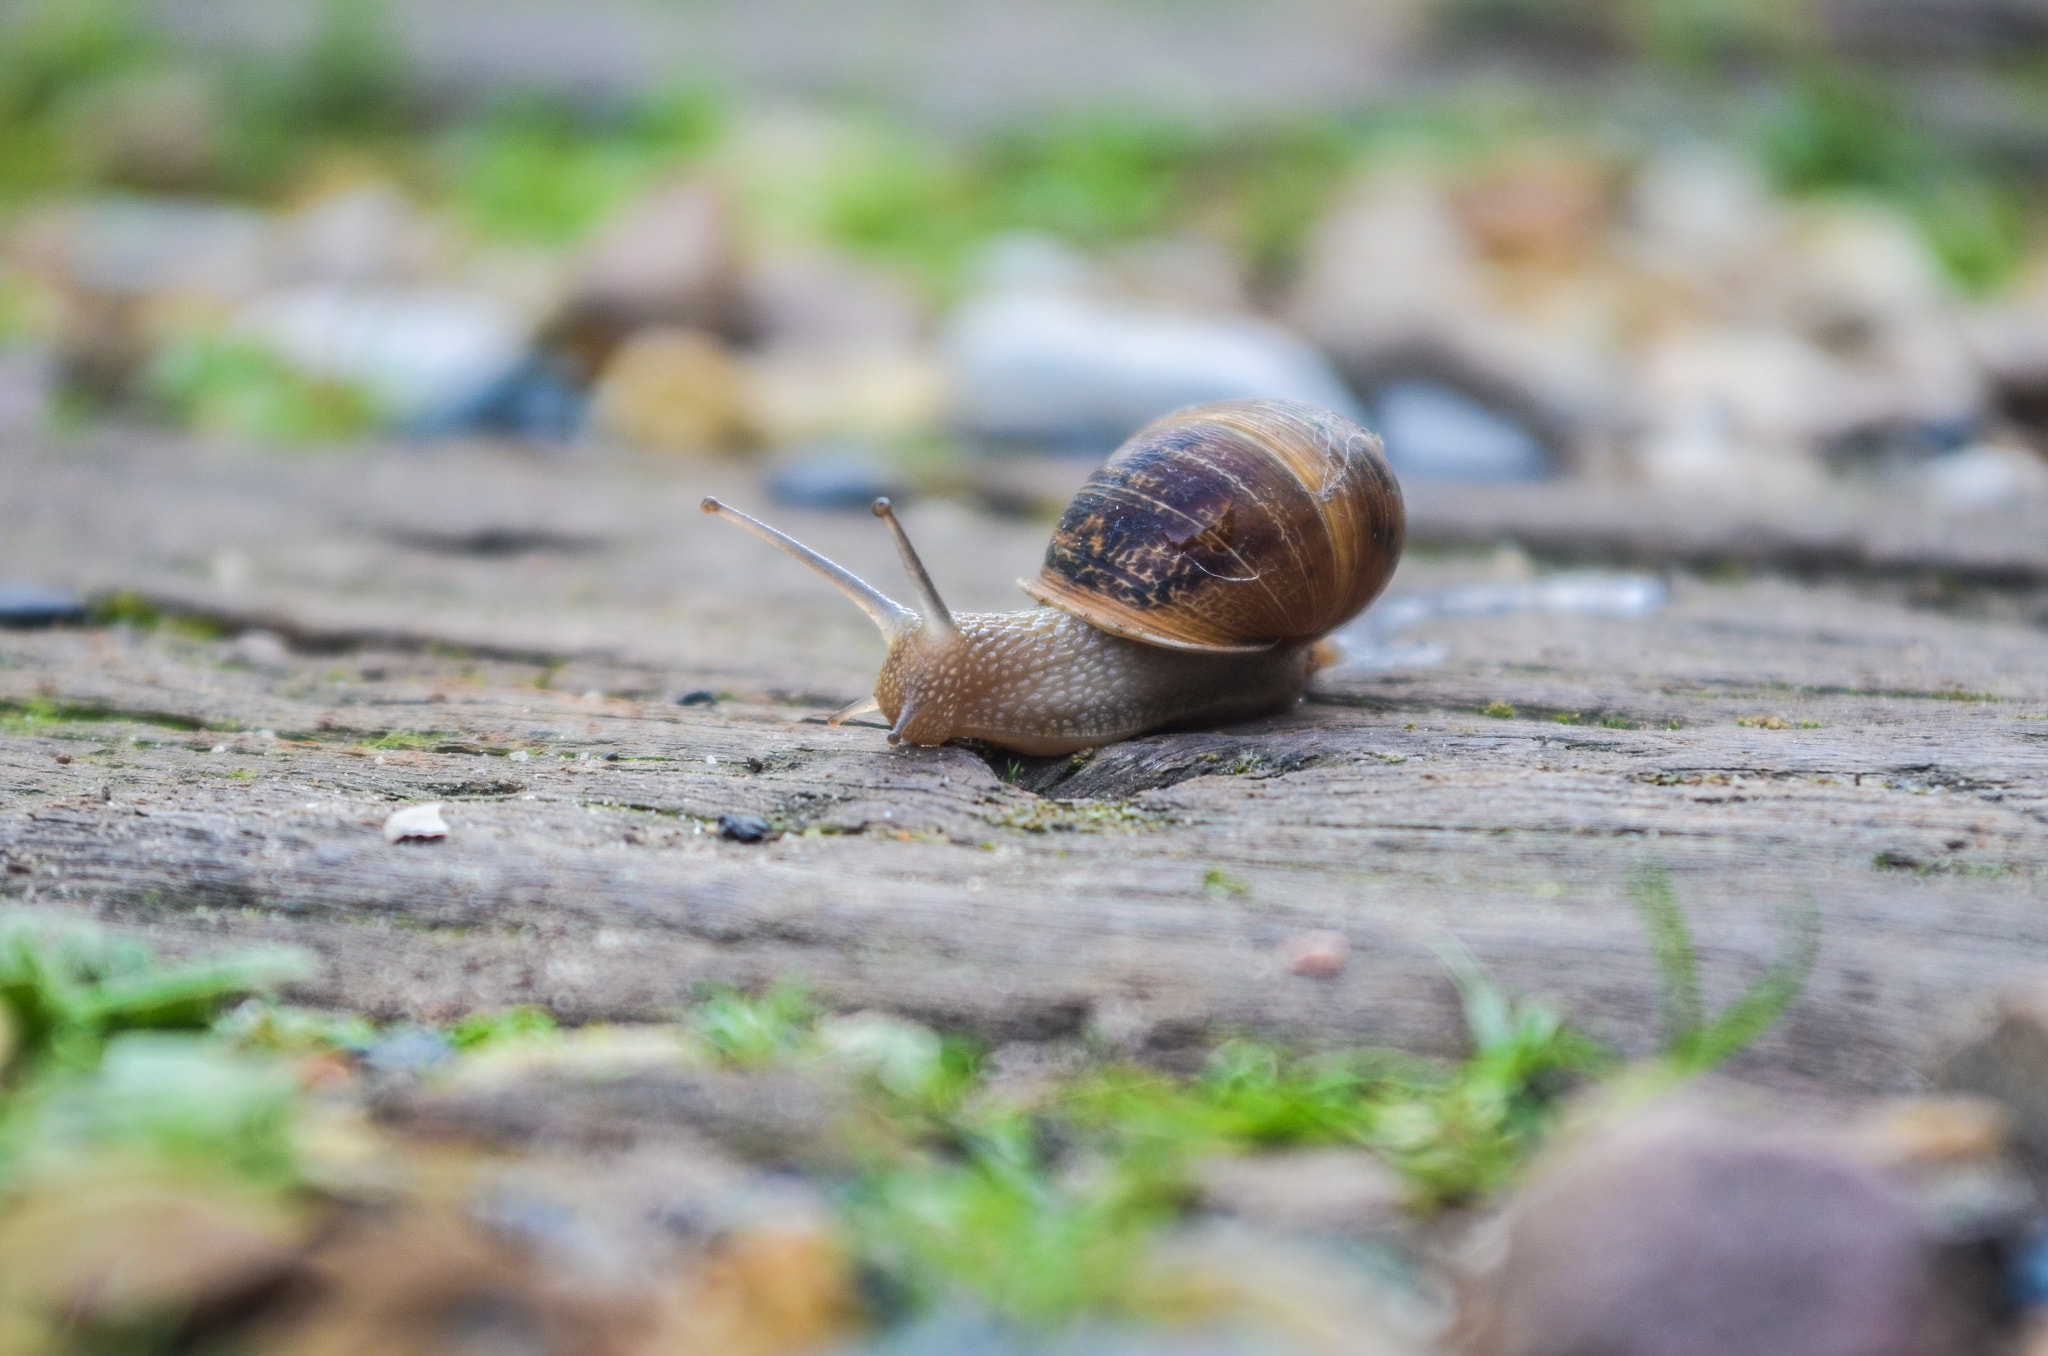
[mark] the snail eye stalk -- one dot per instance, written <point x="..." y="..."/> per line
<point x="893" y="617"/>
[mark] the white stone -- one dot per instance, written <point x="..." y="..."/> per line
<point x="1039" y="364"/>
<point x="415" y="822"/>
<point x="421" y="353"/>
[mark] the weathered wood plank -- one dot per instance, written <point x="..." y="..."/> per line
<point x="1907" y="796"/>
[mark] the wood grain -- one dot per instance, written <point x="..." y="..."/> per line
<point x="508" y="634"/>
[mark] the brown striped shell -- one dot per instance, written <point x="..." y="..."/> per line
<point x="1235" y="526"/>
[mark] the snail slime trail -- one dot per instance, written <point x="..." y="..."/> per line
<point x="1188" y="583"/>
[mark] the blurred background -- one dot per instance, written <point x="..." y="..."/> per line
<point x="1752" y="248"/>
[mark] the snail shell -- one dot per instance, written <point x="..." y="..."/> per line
<point x="1229" y="528"/>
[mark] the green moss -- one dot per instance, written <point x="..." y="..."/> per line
<point x="535" y="170"/>
<point x="1842" y="128"/>
<point x="1074" y="816"/>
<point x="31" y="716"/>
<point x="1221" y="883"/>
<point x="407" y="740"/>
<point x="233" y="388"/>
<point x="1498" y="710"/>
<point x="504" y="1026"/>
<point x="752" y="1031"/>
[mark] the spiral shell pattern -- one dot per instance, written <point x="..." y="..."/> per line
<point x="1229" y="527"/>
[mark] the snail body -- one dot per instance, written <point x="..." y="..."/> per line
<point x="1188" y="583"/>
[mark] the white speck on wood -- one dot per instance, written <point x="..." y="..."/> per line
<point x="415" y="822"/>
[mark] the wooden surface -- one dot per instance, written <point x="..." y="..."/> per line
<point x="452" y="609"/>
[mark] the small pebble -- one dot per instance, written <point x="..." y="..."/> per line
<point x="23" y="605"/>
<point x="2027" y="1275"/>
<point x="408" y="1053"/>
<point x="415" y="823"/>
<point x="742" y="828"/>
<point x="832" y="480"/>
<point x="62" y="757"/>
<point x="520" y="756"/>
<point x="261" y="650"/>
<point x="701" y="697"/>
<point x="711" y="760"/>
<point x="1316" y="955"/>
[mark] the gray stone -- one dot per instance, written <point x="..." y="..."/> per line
<point x="1674" y="1236"/>
<point x="1434" y="432"/>
<point x="424" y="354"/>
<point x="1044" y="366"/>
<point x="832" y="479"/>
<point x="2007" y="1061"/>
<point x="666" y="260"/>
<point x="26" y="605"/>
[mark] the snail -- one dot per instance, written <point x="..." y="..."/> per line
<point x="1188" y="583"/>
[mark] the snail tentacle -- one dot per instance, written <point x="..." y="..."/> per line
<point x="865" y="706"/>
<point x="931" y="607"/>
<point x="894" y="618"/>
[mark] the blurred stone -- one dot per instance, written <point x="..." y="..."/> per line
<point x="535" y="402"/>
<point x="1316" y="955"/>
<point x="26" y="605"/>
<point x="813" y="301"/>
<point x="1984" y="476"/>
<point x="1280" y="1295"/>
<point x="1894" y="451"/>
<point x="264" y="650"/>
<point x="1395" y="287"/>
<point x="762" y="1117"/>
<point x="832" y="480"/>
<point x="667" y="260"/>
<point x="1951" y="1155"/>
<point x="1182" y="274"/>
<point x="956" y="1333"/>
<point x="128" y="271"/>
<point x="366" y="233"/>
<point x="427" y="1282"/>
<point x="1546" y="208"/>
<point x="27" y="386"/>
<point x="1696" y="211"/>
<point x="1029" y="485"/>
<point x="673" y="390"/>
<point x="121" y="1248"/>
<point x="132" y="247"/>
<point x="1322" y="1191"/>
<point x="422" y="353"/>
<point x="1676" y="1236"/>
<point x="408" y="1054"/>
<point x="1432" y="432"/>
<point x="2010" y="338"/>
<point x="2007" y="1061"/>
<point x="1856" y="269"/>
<point x="1935" y="1132"/>
<point x="761" y="1291"/>
<point x="793" y="395"/>
<point x="158" y="131"/>
<point x="2029" y="1282"/>
<point x="1039" y="366"/>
